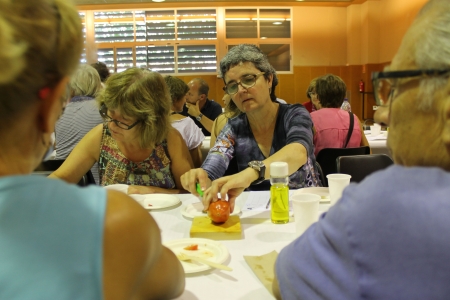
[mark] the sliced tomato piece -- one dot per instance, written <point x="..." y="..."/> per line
<point x="191" y="247"/>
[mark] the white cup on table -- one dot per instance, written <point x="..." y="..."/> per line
<point x="336" y="184"/>
<point x="306" y="211"/>
<point x="375" y="129"/>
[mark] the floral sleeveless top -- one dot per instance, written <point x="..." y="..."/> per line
<point x="115" y="168"/>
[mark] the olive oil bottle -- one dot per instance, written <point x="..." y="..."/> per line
<point x="279" y="192"/>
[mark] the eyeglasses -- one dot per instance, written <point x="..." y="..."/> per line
<point x="246" y="81"/>
<point x="386" y="83"/>
<point x="104" y="113"/>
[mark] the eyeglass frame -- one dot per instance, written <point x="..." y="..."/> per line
<point x="103" y="112"/>
<point x="398" y="75"/>
<point x="311" y="94"/>
<point x="239" y="82"/>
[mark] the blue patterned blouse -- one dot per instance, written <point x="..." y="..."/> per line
<point x="293" y="125"/>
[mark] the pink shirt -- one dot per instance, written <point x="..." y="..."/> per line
<point x="332" y="126"/>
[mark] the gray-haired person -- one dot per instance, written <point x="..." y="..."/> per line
<point x="387" y="237"/>
<point x="81" y="113"/>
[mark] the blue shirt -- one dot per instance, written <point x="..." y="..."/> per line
<point x="386" y="238"/>
<point x="51" y="239"/>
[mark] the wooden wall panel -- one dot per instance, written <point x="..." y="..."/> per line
<point x="292" y="87"/>
<point x="286" y="88"/>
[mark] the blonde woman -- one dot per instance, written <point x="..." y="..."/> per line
<point x="136" y="145"/>
<point x="60" y="241"/>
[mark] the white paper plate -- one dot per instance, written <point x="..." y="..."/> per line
<point x="156" y="201"/>
<point x="207" y="249"/>
<point x="118" y="187"/>
<point x="323" y="192"/>
<point x="196" y="210"/>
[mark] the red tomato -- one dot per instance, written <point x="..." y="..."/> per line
<point x="191" y="247"/>
<point x="219" y="211"/>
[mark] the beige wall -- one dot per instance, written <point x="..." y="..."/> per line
<point x="320" y="36"/>
<point x="395" y="16"/>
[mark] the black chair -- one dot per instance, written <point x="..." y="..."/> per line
<point x="319" y="169"/>
<point x="359" y="166"/>
<point x="48" y="166"/>
<point x="327" y="158"/>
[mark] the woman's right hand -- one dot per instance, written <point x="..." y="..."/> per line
<point x="190" y="179"/>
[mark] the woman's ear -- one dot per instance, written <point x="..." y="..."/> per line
<point x="51" y="105"/>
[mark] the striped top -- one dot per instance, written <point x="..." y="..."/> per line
<point x="80" y="116"/>
<point x="115" y="168"/>
<point x="236" y="140"/>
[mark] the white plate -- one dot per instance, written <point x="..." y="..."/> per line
<point x="118" y="187"/>
<point x="207" y="249"/>
<point x="156" y="201"/>
<point x="323" y="192"/>
<point x="196" y="210"/>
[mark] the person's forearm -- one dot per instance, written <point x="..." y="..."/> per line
<point x="294" y="154"/>
<point x="207" y="123"/>
<point x="139" y="189"/>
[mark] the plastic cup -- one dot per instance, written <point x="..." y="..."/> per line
<point x="375" y="129"/>
<point x="306" y="211"/>
<point x="336" y="184"/>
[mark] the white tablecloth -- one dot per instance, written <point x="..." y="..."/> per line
<point x="378" y="143"/>
<point x="260" y="237"/>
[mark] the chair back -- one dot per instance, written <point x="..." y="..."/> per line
<point x="327" y="158"/>
<point x="48" y="166"/>
<point x="319" y="169"/>
<point x="359" y="166"/>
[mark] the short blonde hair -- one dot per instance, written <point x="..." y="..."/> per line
<point x="40" y="43"/>
<point x="85" y="82"/>
<point x="140" y="94"/>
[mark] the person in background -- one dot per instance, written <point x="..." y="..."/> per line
<point x="386" y="238"/>
<point x="136" y="145"/>
<point x="102" y="70"/>
<point x="310" y="93"/>
<point x="190" y="132"/>
<point x="222" y="119"/>
<point x="57" y="240"/>
<point x="331" y="123"/>
<point x="202" y="110"/>
<point x="81" y="113"/>
<point x="266" y="131"/>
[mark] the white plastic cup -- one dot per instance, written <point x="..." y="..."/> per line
<point x="336" y="184"/>
<point x="306" y="211"/>
<point x="375" y="129"/>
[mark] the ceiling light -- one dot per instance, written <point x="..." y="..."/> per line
<point x="158" y="0"/>
<point x="277" y="23"/>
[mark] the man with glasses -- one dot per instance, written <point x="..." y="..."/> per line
<point x="201" y="110"/>
<point x="387" y="237"/>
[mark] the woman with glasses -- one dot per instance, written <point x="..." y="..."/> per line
<point x="332" y="125"/>
<point x="57" y="240"/>
<point x="265" y="132"/>
<point x="136" y="145"/>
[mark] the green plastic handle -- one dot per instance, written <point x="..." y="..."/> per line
<point x="199" y="190"/>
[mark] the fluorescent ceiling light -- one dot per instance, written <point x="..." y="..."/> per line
<point x="158" y="0"/>
<point x="277" y="23"/>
